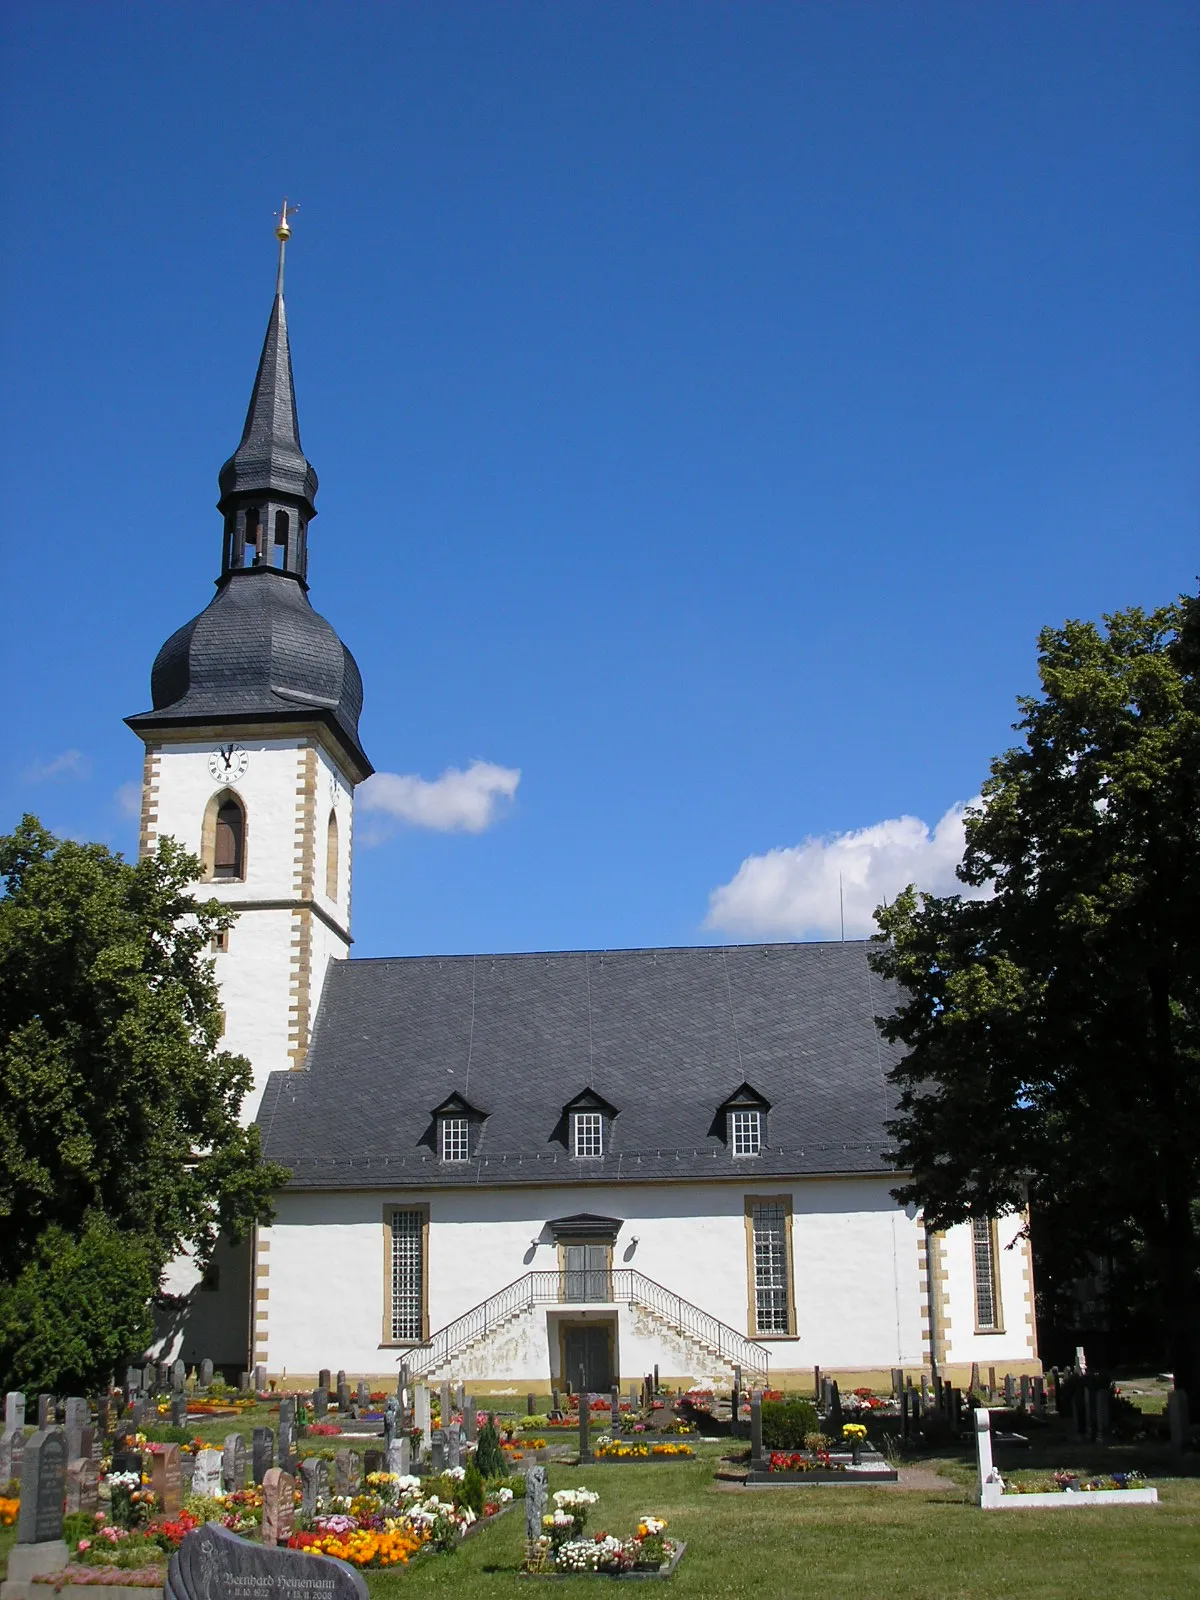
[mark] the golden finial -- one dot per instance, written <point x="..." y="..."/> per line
<point x="283" y="233"/>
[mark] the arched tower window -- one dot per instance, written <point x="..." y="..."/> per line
<point x="223" y="838"/>
<point x="281" y="539"/>
<point x="331" y="857"/>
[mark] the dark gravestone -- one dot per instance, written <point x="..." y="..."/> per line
<point x="356" y="1470"/>
<point x="835" y="1410"/>
<point x="362" y="1395"/>
<point x="260" y="1379"/>
<point x="756" y="1439"/>
<point x="43" y="1484"/>
<point x="179" y="1411"/>
<point x="531" y="1405"/>
<point x="372" y="1461"/>
<point x="287" y="1431"/>
<point x="453" y="1445"/>
<point x="127" y="1461"/>
<point x="974" y="1384"/>
<point x="278" y="1506"/>
<point x="206" y="1373"/>
<point x="244" y="1381"/>
<point x="535" y="1501"/>
<point x="45" y="1411"/>
<point x="214" y="1564"/>
<point x="437" y="1451"/>
<point x="585" y="1418"/>
<point x="341" y="1473"/>
<point x="314" y="1485"/>
<point x="343" y="1398"/>
<point x="178" y="1376"/>
<point x="323" y="1379"/>
<point x="164" y="1376"/>
<point x="104" y="1415"/>
<point x="320" y="1403"/>
<point x="233" y="1462"/>
<point x="166" y="1479"/>
<point x="1039" y="1396"/>
<point x="262" y="1455"/>
<point x="391" y="1411"/>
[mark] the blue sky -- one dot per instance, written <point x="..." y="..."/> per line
<point x="710" y="404"/>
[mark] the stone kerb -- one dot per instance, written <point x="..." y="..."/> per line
<point x="992" y="1496"/>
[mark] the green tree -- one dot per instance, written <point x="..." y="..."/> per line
<point x="1052" y="1028"/>
<point x="77" y="1309"/>
<point x="116" y="1100"/>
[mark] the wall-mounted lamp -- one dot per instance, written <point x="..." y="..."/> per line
<point x="535" y="1241"/>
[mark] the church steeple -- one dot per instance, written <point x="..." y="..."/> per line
<point x="268" y="486"/>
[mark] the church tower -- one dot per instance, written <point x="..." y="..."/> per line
<point x="252" y="747"/>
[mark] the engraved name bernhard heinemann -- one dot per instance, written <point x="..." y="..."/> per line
<point x="240" y="1582"/>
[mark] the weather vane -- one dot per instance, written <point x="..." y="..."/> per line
<point x="283" y="233"/>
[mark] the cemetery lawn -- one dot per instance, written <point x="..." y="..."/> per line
<point x="864" y="1544"/>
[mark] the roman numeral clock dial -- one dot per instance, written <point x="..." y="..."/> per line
<point x="228" y="763"/>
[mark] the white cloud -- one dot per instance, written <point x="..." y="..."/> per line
<point x="792" y="891"/>
<point x="128" y="799"/>
<point x="458" y="802"/>
<point x="67" y="764"/>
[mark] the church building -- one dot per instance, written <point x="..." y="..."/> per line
<point x="565" y="1167"/>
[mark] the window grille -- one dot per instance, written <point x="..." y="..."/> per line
<point x="456" y="1139"/>
<point x="745" y="1129"/>
<point x="587" y="1129"/>
<point x="986" y="1299"/>
<point x="408" y="1273"/>
<point x="769" y="1221"/>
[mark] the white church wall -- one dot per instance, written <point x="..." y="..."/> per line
<point x="855" y="1264"/>
<point x="962" y="1343"/>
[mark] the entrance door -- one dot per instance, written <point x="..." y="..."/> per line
<point x="590" y="1349"/>
<point x="585" y="1273"/>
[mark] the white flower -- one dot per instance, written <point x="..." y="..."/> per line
<point x="457" y="1473"/>
<point x="503" y="1496"/>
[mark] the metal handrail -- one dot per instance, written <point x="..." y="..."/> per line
<point x="606" y="1286"/>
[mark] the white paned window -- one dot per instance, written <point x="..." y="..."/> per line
<point x="587" y="1133"/>
<point x="745" y="1132"/>
<point x="769" y="1222"/>
<point x="987" y="1301"/>
<point x="408" y="1273"/>
<point x="456" y="1139"/>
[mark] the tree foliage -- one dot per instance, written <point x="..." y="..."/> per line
<point x="76" y="1310"/>
<point x="1052" y="1028"/>
<point x="116" y="1100"/>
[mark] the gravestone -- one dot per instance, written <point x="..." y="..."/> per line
<point x="214" y="1564"/>
<point x="362" y="1395"/>
<point x="104" y="1415"/>
<point x="1178" y="1420"/>
<point x="614" y="1405"/>
<point x="343" y="1398"/>
<point x="206" y="1373"/>
<point x="89" y="1443"/>
<point x="454" y="1445"/>
<point x="260" y="1379"/>
<point x="535" y="1501"/>
<point x="83" y="1485"/>
<point x="394" y="1455"/>
<point x="128" y="1461"/>
<point x="470" y="1420"/>
<point x="405" y="1466"/>
<point x="12" y="1451"/>
<point x="43" y="1485"/>
<point x="14" y="1410"/>
<point x="323" y="1380"/>
<point x="278" y="1506"/>
<point x="45" y="1411"/>
<point x="133" y="1381"/>
<point x="1010" y="1391"/>
<point x="898" y="1380"/>
<point x="555" y="1401"/>
<point x="314" y="1485"/>
<point x="391" y="1410"/>
<point x="835" y="1410"/>
<point x="262" y="1454"/>
<point x="356" y="1468"/>
<point x="826" y="1395"/>
<point x="446" y="1407"/>
<point x="585" y="1428"/>
<point x="179" y="1410"/>
<point x="178" y="1376"/>
<point x="244" y="1382"/>
<point x="1103" y="1415"/>
<point x="1026" y="1390"/>
<point x="437" y="1451"/>
<point x="233" y="1462"/>
<point x="166" y="1479"/>
<point x="1080" y="1360"/>
<point x="341" y="1473"/>
<point x="163" y="1379"/>
<point x="530" y="1405"/>
<point x="422" y="1409"/>
<point x="372" y="1461"/>
<point x="1039" y="1396"/>
<point x="320" y="1402"/>
<point x="287" y="1431"/>
<point x="460" y="1398"/>
<point x="756" y="1439"/>
<point x="76" y="1415"/>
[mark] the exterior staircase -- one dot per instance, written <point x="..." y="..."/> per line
<point x="720" y="1345"/>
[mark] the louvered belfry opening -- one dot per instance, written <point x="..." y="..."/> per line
<point x="230" y="845"/>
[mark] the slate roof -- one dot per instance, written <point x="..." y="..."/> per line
<point x="269" y="457"/>
<point x="258" y="652"/>
<point x="665" y="1036"/>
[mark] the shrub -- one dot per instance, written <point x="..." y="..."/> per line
<point x="471" y="1493"/>
<point x="489" y="1457"/>
<point x="785" y="1423"/>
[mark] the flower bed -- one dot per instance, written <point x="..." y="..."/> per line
<point x="564" y="1550"/>
<point x="607" y="1449"/>
<point x="73" y="1575"/>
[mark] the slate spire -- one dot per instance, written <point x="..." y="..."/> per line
<point x="268" y="486"/>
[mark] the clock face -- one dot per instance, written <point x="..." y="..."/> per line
<point x="228" y="763"/>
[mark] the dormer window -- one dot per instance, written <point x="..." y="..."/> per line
<point x="745" y="1132"/>
<point x="455" y="1129"/>
<point x="455" y="1138"/>
<point x="587" y="1133"/>
<point x="741" y="1121"/>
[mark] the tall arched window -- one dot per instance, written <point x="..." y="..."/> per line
<point x="331" y="857"/>
<point x="229" y="854"/>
